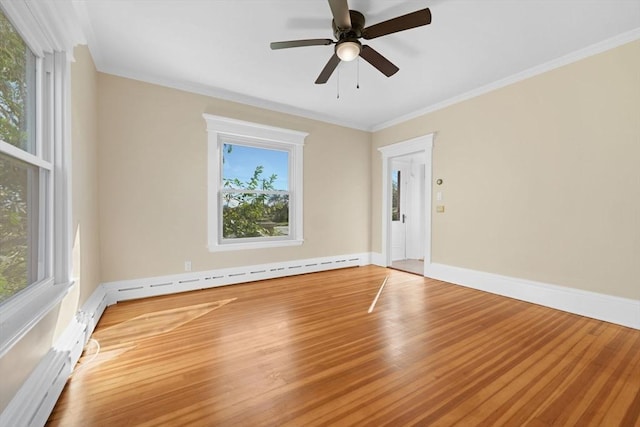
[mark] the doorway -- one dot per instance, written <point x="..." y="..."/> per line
<point x="406" y="245"/>
<point x="407" y="213"/>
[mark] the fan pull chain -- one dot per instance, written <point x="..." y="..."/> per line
<point x="338" y="84"/>
<point x="358" y="74"/>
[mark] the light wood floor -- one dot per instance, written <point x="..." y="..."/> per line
<point x="303" y="351"/>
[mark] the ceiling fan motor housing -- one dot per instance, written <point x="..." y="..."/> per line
<point x="355" y="32"/>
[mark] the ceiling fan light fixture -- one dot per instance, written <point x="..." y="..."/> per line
<point x="348" y="50"/>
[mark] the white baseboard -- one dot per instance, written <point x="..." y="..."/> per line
<point x="378" y="259"/>
<point x="163" y="285"/>
<point x="621" y="311"/>
<point x="34" y="401"/>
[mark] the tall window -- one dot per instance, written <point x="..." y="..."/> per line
<point x="24" y="169"/>
<point x="255" y="185"/>
<point x="35" y="38"/>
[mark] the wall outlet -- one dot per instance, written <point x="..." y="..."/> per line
<point x="187" y="266"/>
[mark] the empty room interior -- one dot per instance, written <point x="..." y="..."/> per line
<point x="319" y="213"/>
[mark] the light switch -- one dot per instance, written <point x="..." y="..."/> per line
<point x="439" y="196"/>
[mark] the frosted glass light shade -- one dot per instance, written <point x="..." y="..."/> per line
<point x="348" y="51"/>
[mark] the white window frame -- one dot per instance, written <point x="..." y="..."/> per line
<point x="47" y="29"/>
<point x="221" y="130"/>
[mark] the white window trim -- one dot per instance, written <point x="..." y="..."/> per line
<point x="218" y="128"/>
<point x="49" y="29"/>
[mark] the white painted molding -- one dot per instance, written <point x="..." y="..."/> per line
<point x="410" y="146"/>
<point x="163" y="285"/>
<point x="34" y="401"/>
<point x="46" y="26"/>
<point x="578" y="55"/>
<point x="378" y="259"/>
<point x="621" y="311"/>
<point x="19" y="315"/>
<point x="219" y="93"/>
<point x="226" y="125"/>
<point x="421" y="144"/>
<point x="222" y="130"/>
<point x="264" y="244"/>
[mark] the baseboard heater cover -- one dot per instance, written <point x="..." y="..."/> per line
<point x="34" y="401"/>
<point x="164" y="285"/>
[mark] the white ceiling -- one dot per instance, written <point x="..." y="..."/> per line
<point x="221" y="48"/>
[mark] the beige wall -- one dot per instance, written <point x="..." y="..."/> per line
<point x="18" y="363"/>
<point x="153" y="192"/>
<point x="541" y="178"/>
<point x="86" y="213"/>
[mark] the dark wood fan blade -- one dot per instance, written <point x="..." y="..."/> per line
<point x="328" y="70"/>
<point x="385" y="66"/>
<point x="340" y="12"/>
<point x="401" y="23"/>
<point x="300" y="43"/>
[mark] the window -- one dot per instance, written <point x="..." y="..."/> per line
<point x="395" y="195"/>
<point x="34" y="161"/>
<point x="255" y="185"/>
<point x="24" y="170"/>
<point x="20" y="185"/>
<point x="255" y="192"/>
<point x="19" y="221"/>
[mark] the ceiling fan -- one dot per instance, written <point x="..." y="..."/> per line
<point x="348" y="27"/>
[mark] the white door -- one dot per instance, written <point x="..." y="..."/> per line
<point x="399" y="192"/>
<point x="414" y="209"/>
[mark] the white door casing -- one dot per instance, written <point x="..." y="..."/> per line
<point x="421" y="144"/>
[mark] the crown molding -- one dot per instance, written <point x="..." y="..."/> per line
<point x="87" y="28"/>
<point x="227" y="95"/>
<point x="575" y="56"/>
<point x="46" y="26"/>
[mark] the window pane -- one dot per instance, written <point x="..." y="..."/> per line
<point x="19" y="183"/>
<point x="17" y="89"/>
<point x="251" y="168"/>
<point x="395" y="196"/>
<point x="247" y="215"/>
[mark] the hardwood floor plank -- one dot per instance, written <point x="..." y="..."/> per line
<point x="530" y="386"/>
<point x="616" y="400"/>
<point x="474" y="375"/>
<point x="303" y="350"/>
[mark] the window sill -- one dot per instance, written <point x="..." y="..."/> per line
<point x="254" y="245"/>
<point x="19" y="315"/>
